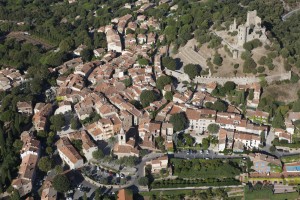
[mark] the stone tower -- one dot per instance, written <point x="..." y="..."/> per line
<point x="252" y="18"/>
<point x="122" y="137"/>
<point x="233" y="26"/>
<point x="242" y="35"/>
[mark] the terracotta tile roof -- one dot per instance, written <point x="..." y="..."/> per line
<point x="64" y="146"/>
<point x="124" y="195"/>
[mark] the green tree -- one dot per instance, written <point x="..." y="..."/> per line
<point x="84" y="196"/>
<point x="143" y="61"/>
<point x="75" y="124"/>
<point x="229" y="86"/>
<point x="49" y="150"/>
<point x="58" y="169"/>
<point x="251" y="94"/>
<point x="217" y="59"/>
<point x="179" y="121"/>
<point x="272" y="149"/>
<point x="66" y="44"/>
<point x="192" y="70"/>
<point x="160" y="142"/>
<point x="189" y="140"/>
<point x="205" y="143"/>
<point x="15" y="195"/>
<point x="213" y="128"/>
<point x="98" y="154"/>
<point x="162" y="81"/>
<point x="219" y="106"/>
<point x="249" y="65"/>
<point x="57" y="122"/>
<point x="169" y="96"/>
<point x="147" y="97"/>
<point x="169" y="63"/>
<point x="97" y="194"/>
<point x="278" y="120"/>
<point x="45" y="164"/>
<point x="86" y="54"/>
<point x="144" y="181"/>
<point x="296" y="106"/>
<point x="127" y="82"/>
<point x="171" y="33"/>
<point x="61" y="183"/>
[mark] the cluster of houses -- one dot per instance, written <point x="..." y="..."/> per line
<point x="101" y="88"/>
<point x="30" y="154"/>
<point x="10" y="78"/>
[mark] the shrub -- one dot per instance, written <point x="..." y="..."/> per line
<point x="261" y="69"/>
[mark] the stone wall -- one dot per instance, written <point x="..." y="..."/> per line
<point x="221" y="80"/>
<point x="243" y="80"/>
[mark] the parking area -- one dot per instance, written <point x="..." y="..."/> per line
<point x="84" y="187"/>
<point x="104" y="176"/>
<point x="204" y="154"/>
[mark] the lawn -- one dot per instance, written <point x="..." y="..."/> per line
<point x="268" y="194"/>
<point x="169" y="192"/>
<point x="290" y="159"/>
<point x="175" y="194"/>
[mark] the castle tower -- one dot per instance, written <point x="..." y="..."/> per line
<point x="232" y="27"/>
<point x="122" y="137"/>
<point x="242" y="35"/>
<point x="251" y="17"/>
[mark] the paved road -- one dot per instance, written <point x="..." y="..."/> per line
<point x="202" y="187"/>
<point x="204" y="155"/>
<point x="140" y="168"/>
<point x="270" y="138"/>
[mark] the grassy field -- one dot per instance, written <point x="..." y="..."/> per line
<point x="183" y="193"/>
<point x="199" y="168"/>
<point x="290" y="159"/>
<point x="170" y="192"/>
<point x="268" y="194"/>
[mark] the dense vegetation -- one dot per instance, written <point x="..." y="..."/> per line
<point x="205" y="168"/>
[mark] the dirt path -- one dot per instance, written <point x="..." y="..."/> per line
<point x="23" y="36"/>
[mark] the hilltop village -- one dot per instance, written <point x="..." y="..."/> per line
<point x="132" y="116"/>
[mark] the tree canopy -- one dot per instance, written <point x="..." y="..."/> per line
<point x="169" y="96"/>
<point x="219" y="106"/>
<point x="147" y="97"/>
<point x="169" y="63"/>
<point x="213" y="128"/>
<point x="98" y="154"/>
<point x="144" y="181"/>
<point x="162" y="81"/>
<point x="217" y="59"/>
<point x="192" y="70"/>
<point x="57" y="122"/>
<point x="179" y="121"/>
<point x="61" y="183"/>
<point x="45" y="164"/>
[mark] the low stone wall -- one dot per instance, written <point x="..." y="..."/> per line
<point x="221" y="80"/>
<point x="243" y="80"/>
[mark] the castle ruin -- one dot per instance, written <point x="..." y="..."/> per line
<point x="251" y="30"/>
